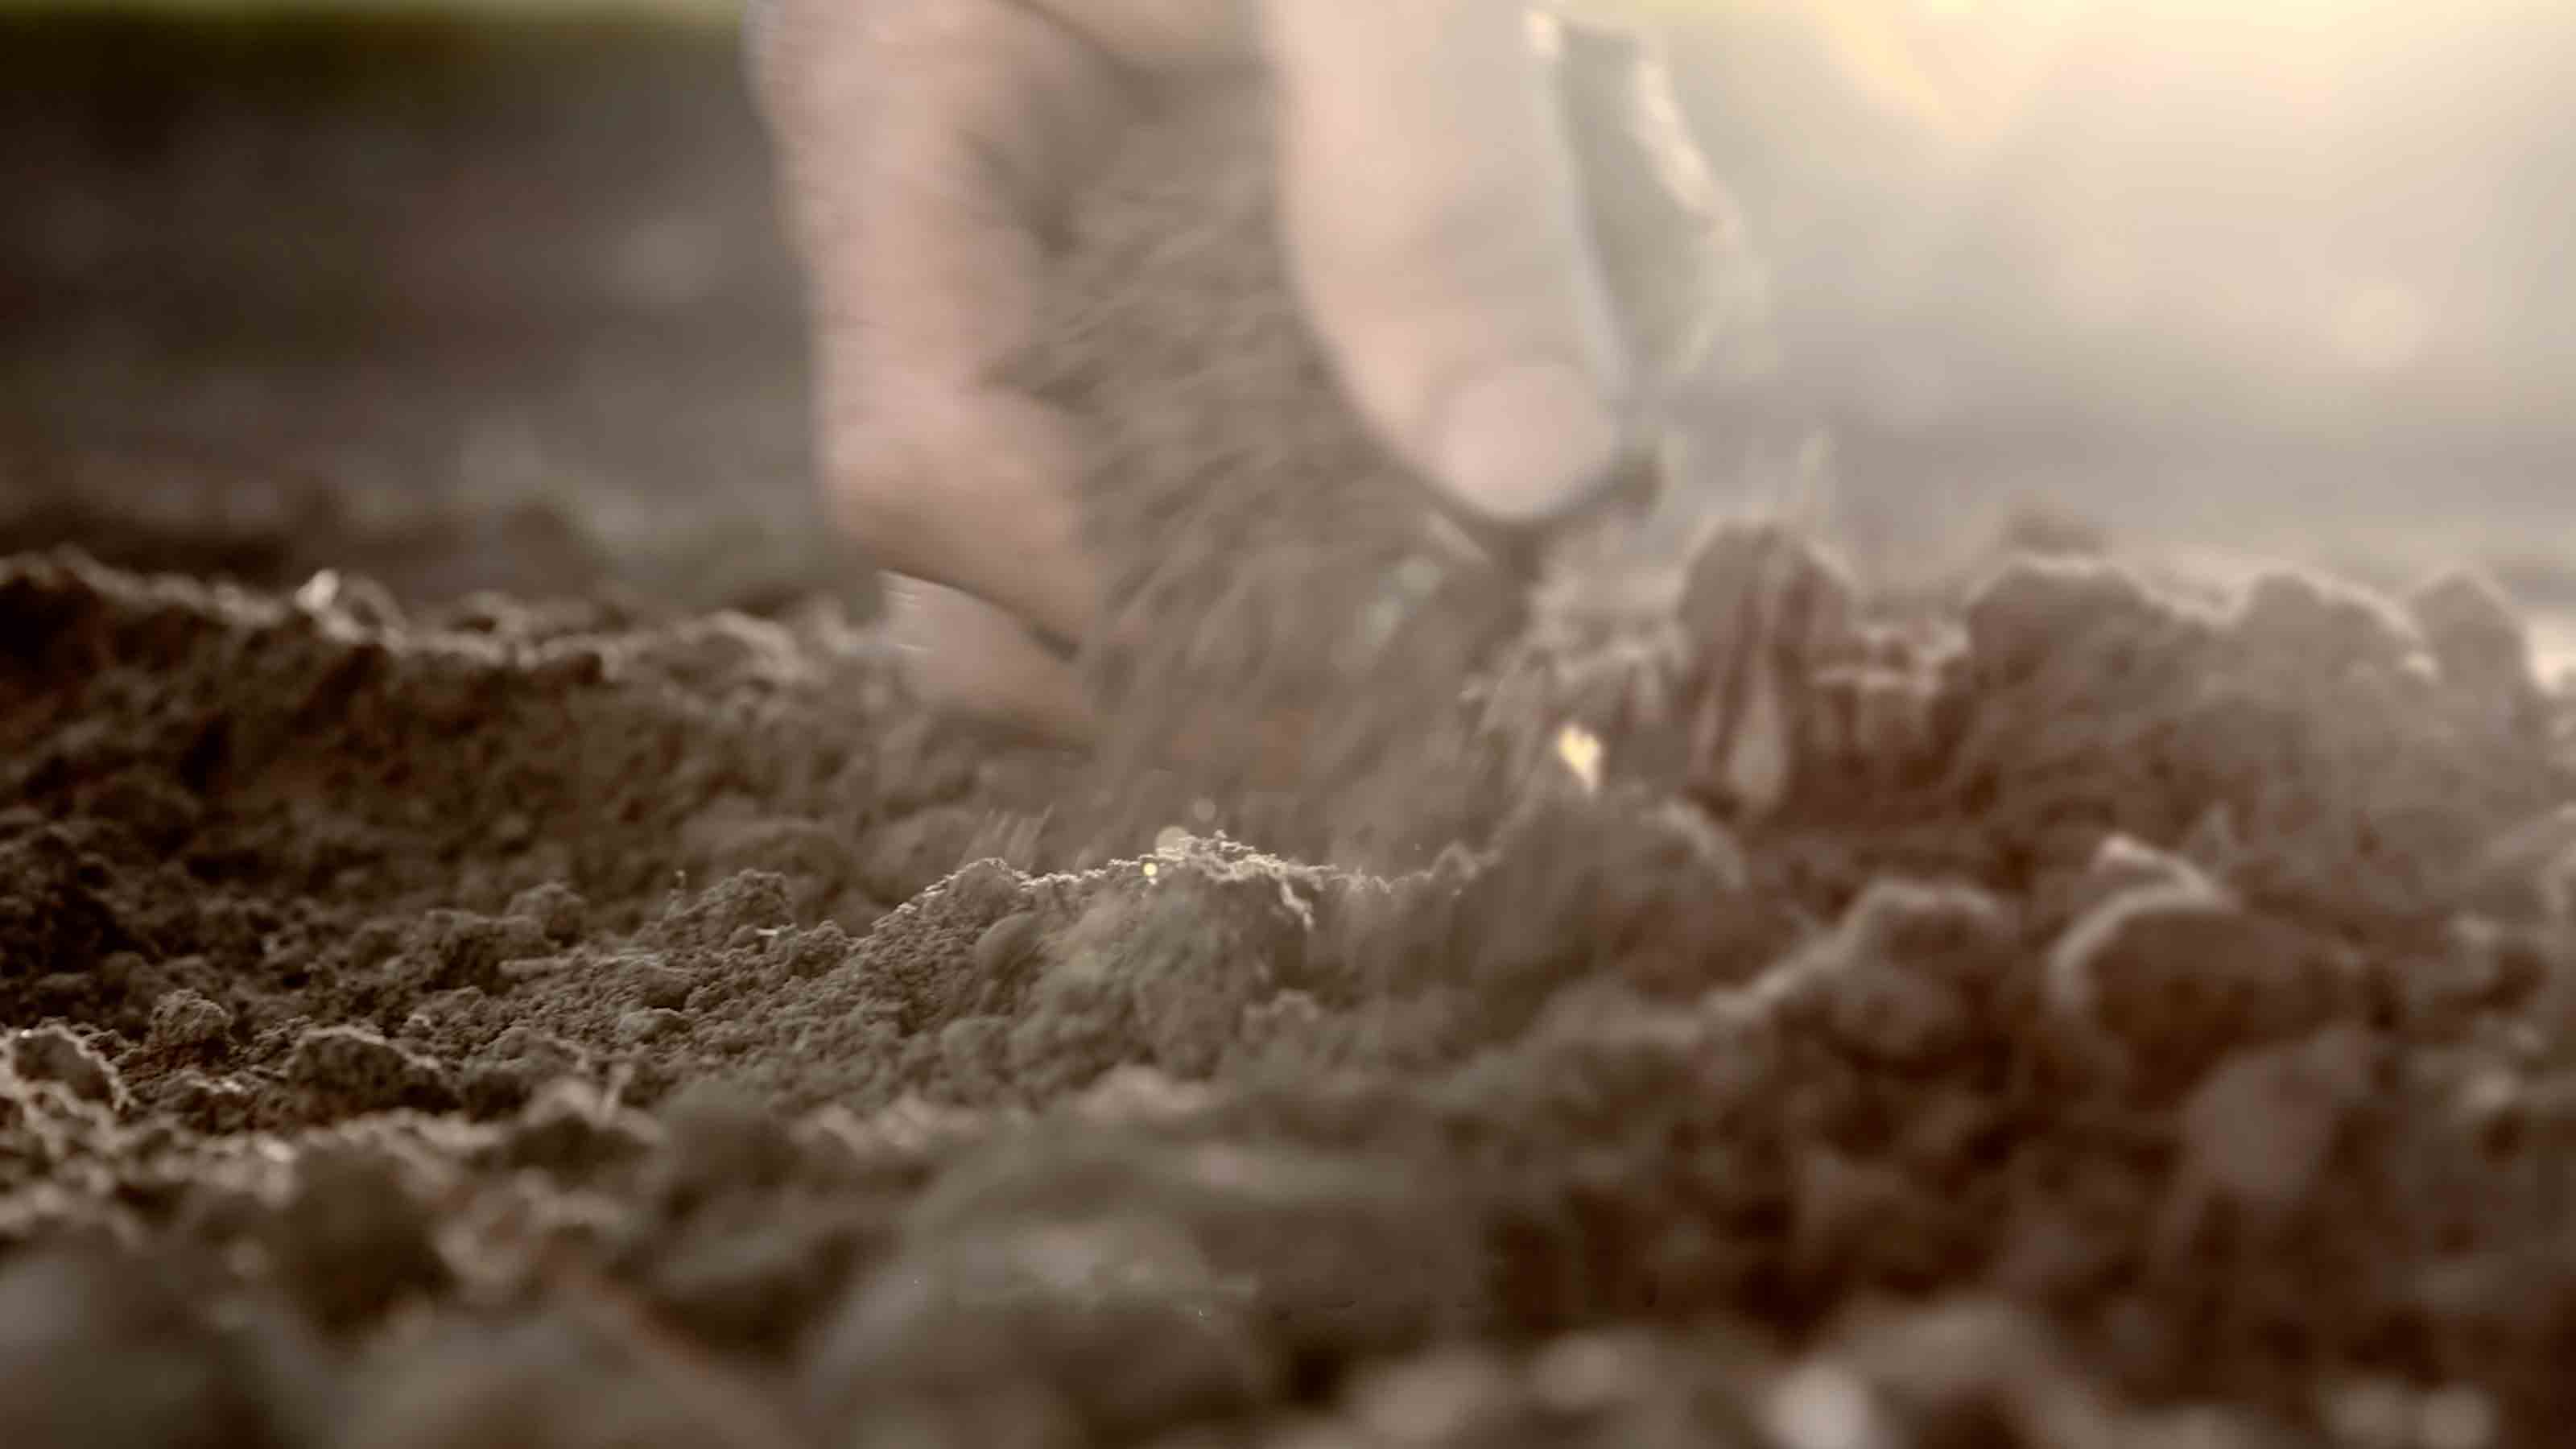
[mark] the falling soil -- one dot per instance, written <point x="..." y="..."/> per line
<point x="1285" y="600"/>
<point x="2127" y="1016"/>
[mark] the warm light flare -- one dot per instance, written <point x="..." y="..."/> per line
<point x="1970" y="66"/>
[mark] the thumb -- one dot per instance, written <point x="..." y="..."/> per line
<point x="1433" y="227"/>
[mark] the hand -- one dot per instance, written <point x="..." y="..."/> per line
<point x="1431" y="224"/>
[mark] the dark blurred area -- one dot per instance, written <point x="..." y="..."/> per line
<point x="281" y="290"/>
<point x="287" y="290"/>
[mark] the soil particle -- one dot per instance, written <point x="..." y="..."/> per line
<point x="2177" y="977"/>
<point x="1079" y="1330"/>
<point x="184" y="1020"/>
<point x="58" y="1054"/>
<point x="543" y="1383"/>
<point x="652" y="1024"/>
<point x="2478" y="642"/>
<point x="556" y="909"/>
<point x="2353" y="784"/>
<point x="458" y="948"/>
<point x="215" y="1106"/>
<point x="101" y="1349"/>
<point x="349" y="1069"/>
<point x="572" y="1136"/>
<point x="51" y="908"/>
<point x="1239" y="1267"/>
<point x="352" y="1239"/>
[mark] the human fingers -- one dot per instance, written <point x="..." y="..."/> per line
<point x="926" y="146"/>
<point x="968" y="656"/>
<point x="1434" y="231"/>
<point x="1159" y="38"/>
<point x="968" y="485"/>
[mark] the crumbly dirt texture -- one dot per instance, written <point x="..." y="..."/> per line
<point x="429" y="1025"/>
<point x="2071" y="1009"/>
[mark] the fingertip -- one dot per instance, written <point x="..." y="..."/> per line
<point x="1527" y="442"/>
<point x="966" y="656"/>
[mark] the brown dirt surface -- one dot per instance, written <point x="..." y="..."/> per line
<point x="541" y="1016"/>
<point x="2136" y="1017"/>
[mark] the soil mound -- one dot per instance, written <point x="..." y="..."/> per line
<point x="2184" y="1023"/>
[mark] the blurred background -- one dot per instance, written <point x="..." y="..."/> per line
<point x="460" y="295"/>
<point x="293" y="284"/>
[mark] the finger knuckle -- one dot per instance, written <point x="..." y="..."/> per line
<point x="875" y="492"/>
